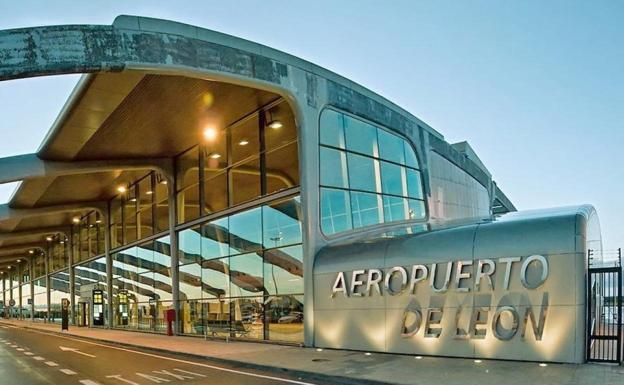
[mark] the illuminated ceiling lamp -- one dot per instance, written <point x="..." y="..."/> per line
<point x="122" y="189"/>
<point x="274" y="123"/>
<point x="210" y="133"/>
<point x="160" y="179"/>
<point x="49" y="238"/>
<point x="76" y="219"/>
<point x="31" y="251"/>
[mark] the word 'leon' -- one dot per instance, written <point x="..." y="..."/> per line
<point x="366" y="282"/>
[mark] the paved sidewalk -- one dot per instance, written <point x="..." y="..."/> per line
<point x="355" y="367"/>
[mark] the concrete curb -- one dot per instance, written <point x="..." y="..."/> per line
<point x="307" y="375"/>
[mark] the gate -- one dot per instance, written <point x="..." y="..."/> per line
<point x="604" y="312"/>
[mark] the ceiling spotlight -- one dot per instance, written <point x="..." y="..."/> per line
<point x="49" y="238"/>
<point x="122" y="189"/>
<point x="98" y="221"/>
<point x="215" y="155"/>
<point x="76" y="220"/>
<point x="243" y="142"/>
<point x="61" y="242"/>
<point x="19" y="260"/>
<point x="31" y="251"/>
<point x="275" y="124"/>
<point x="210" y="133"/>
<point x="149" y="192"/>
<point x="132" y="199"/>
<point x="164" y="181"/>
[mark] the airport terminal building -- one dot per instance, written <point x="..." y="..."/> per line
<point x="262" y="197"/>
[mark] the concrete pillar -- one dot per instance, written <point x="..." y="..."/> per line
<point x="31" y="287"/>
<point x="19" y="290"/>
<point x="72" y="287"/>
<point x="47" y="280"/>
<point x="173" y="241"/>
<point x="109" y="268"/>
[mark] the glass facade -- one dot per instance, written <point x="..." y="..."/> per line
<point x="368" y="175"/>
<point x="253" y="157"/>
<point x="242" y="275"/>
<point x="240" y="263"/>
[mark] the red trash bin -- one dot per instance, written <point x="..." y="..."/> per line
<point x="170" y="319"/>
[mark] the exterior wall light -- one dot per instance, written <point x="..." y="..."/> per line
<point x="543" y="365"/>
<point x="367" y="354"/>
<point x="319" y="350"/>
<point x="122" y="189"/>
<point x="76" y="220"/>
<point x="275" y="124"/>
<point x="418" y="357"/>
<point x="477" y="361"/>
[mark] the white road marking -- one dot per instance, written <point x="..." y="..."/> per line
<point x="51" y="363"/>
<point x="69" y="372"/>
<point x="243" y="373"/>
<point x="187" y="372"/>
<point x="29" y="353"/>
<point x="38" y="358"/>
<point x="74" y="350"/>
<point x="88" y="382"/>
<point x="118" y="377"/>
<point x="155" y="379"/>
<point x="20" y="349"/>
<point x="14" y="346"/>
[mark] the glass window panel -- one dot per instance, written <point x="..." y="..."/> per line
<point x="416" y="209"/>
<point x="283" y="270"/>
<point x="162" y="256"/>
<point x="410" y="156"/>
<point x="187" y="168"/>
<point x="245" y="181"/>
<point x="392" y="179"/>
<point x="190" y="281"/>
<point x="188" y="204"/>
<point x="333" y="168"/>
<point x="390" y="147"/>
<point x="245" y="139"/>
<point x="115" y="210"/>
<point x="145" y="256"/>
<point x="216" y="278"/>
<point x="146" y="194"/>
<point x="145" y="225"/>
<point x="414" y="183"/>
<point x="361" y="173"/>
<point x="190" y="245"/>
<point x="215" y="239"/>
<point x="281" y="223"/>
<point x="215" y="192"/>
<point x="130" y="228"/>
<point x="365" y="208"/>
<point x="246" y="275"/>
<point x="215" y="152"/>
<point x="361" y="137"/>
<point x="282" y="168"/>
<point x="284" y="314"/>
<point x="332" y="129"/>
<point x="247" y="315"/>
<point x="335" y="211"/>
<point x="162" y="216"/>
<point x="394" y="208"/>
<point x="246" y="231"/>
<point x="276" y="135"/>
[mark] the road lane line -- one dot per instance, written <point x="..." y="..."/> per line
<point x="38" y="358"/>
<point x="89" y="382"/>
<point x="20" y="350"/>
<point x="187" y="372"/>
<point x="120" y="378"/>
<point x="29" y="353"/>
<point x="51" y="363"/>
<point x="240" y="372"/>
<point x="69" y="372"/>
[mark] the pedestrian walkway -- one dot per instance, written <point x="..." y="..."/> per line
<point x="353" y="367"/>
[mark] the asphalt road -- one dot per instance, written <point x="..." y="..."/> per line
<point x="29" y="357"/>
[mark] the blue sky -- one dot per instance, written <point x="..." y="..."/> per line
<point x="536" y="87"/>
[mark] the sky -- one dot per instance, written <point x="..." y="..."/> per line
<point x="536" y="87"/>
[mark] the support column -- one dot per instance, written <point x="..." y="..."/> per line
<point x="109" y="268"/>
<point x="72" y="287"/>
<point x="20" y="280"/>
<point x="31" y="286"/>
<point x="47" y="281"/>
<point x="173" y="241"/>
